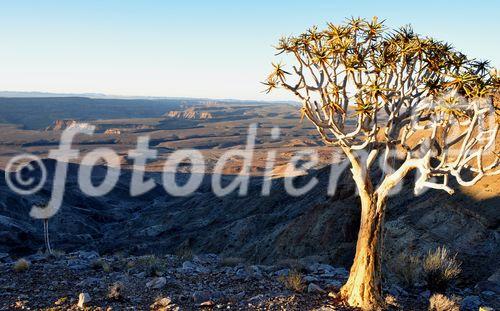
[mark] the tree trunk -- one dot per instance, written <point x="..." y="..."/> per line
<point x="363" y="288"/>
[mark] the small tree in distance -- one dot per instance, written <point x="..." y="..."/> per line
<point x="407" y="102"/>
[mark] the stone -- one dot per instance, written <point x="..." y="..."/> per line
<point x="37" y="257"/>
<point x="202" y="296"/>
<point x="333" y="295"/>
<point x="207" y="259"/>
<point x="140" y="275"/>
<point x="495" y="277"/>
<point x="190" y="267"/>
<point x="341" y="272"/>
<point x="320" y="268"/>
<point x="115" y="291"/>
<point x="335" y="284"/>
<point x="313" y="288"/>
<point x="83" y="299"/>
<point x="241" y="274"/>
<point x="89" y="282"/>
<point x="426" y="294"/>
<point x="310" y="278"/>
<point x="157" y="283"/>
<point x="397" y="291"/>
<point x="78" y="264"/>
<point x="488" y="293"/>
<point x="255" y="271"/>
<point x="239" y="296"/>
<point x="488" y="286"/>
<point x="470" y="303"/>
<point x="256" y="299"/>
<point x="208" y="303"/>
<point x="88" y="255"/>
<point x="282" y="272"/>
<point x="161" y="302"/>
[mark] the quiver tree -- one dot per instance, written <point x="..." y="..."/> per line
<point x="406" y="102"/>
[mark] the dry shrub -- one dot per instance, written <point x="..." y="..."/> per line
<point x="439" y="302"/>
<point x="407" y="269"/>
<point x="232" y="261"/>
<point x="185" y="253"/>
<point x="440" y="269"/>
<point x="151" y="265"/>
<point x="21" y="265"/>
<point x="293" y="281"/>
<point x="100" y="264"/>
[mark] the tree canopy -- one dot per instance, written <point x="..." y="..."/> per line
<point x="368" y="88"/>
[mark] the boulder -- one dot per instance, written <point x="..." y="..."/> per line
<point x="313" y="288"/>
<point x="83" y="299"/>
<point x="157" y="283"/>
<point x="470" y="303"/>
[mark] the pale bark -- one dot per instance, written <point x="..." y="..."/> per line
<point x="363" y="288"/>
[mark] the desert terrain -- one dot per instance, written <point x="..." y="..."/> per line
<point x="232" y="252"/>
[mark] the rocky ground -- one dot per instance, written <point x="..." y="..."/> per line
<point x="206" y="282"/>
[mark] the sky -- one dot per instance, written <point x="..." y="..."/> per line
<point x="206" y="49"/>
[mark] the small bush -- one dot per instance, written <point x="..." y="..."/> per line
<point x="21" y="265"/>
<point x="440" y="269"/>
<point x="151" y="265"/>
<point x="115" y="291"/>
<point x="130" y="265"/>
<point x="293" y="281"/>
<point x="184" y="253"/>
<point x="439" y="302"/>
<point x="100" y="264"/>
<point x="407" y="269"/>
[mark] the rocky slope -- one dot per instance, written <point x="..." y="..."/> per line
<point x="207" y="282"/>
<point x="84" y="279"/>
<point x="264" y="230"/>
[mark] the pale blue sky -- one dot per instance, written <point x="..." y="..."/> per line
<point x="217" y="49"/>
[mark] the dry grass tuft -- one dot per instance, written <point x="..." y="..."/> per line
<point x="293" y="281"/>
<point x="100" y="264"/>
<point x="185" y="253"/>
<point x="407" y="269"/>
<point x="152" y="265"/>
<point x="21" y="265"/>
<point x="439" y="302"/>
<point x="440" y="269"/>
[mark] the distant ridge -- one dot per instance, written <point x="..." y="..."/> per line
<point x="37" y="94"/>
